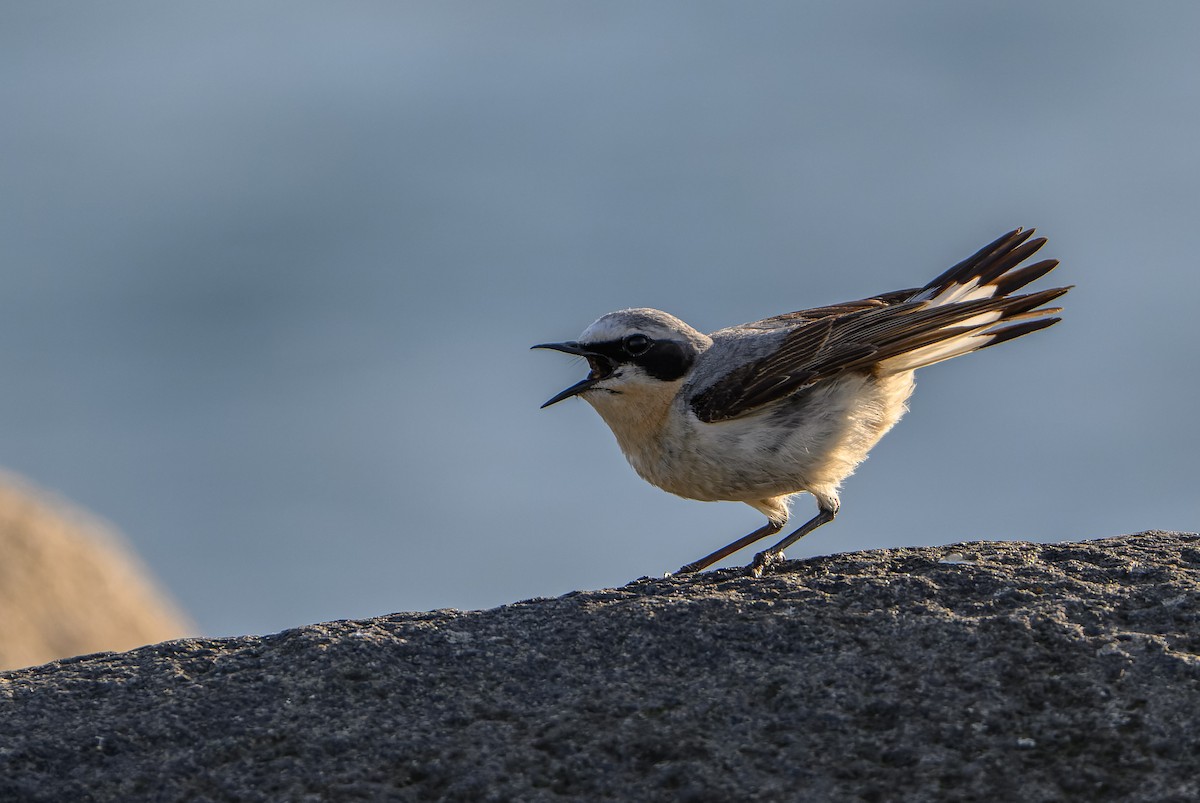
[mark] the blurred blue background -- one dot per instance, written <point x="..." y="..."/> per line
<point x="270" y="273"/>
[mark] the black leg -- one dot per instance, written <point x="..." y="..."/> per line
<point x="770" y="528"/>
<point x="764" y="559"/>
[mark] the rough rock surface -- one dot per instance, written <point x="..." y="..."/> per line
<point x="983" y="671"/>
<point x="68" y="584"/>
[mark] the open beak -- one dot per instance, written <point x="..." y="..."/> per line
<point x="601" y="367"/>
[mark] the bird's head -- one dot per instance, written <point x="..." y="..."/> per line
<point x="631" y="351"/>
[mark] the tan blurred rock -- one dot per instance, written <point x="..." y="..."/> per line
<point x="69" y="585"/>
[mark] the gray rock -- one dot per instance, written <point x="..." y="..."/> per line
<point x="983" y="671"/>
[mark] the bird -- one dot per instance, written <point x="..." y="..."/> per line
<point x="763" y="411"/>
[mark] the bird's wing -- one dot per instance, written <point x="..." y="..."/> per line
<point x="964" y="309"/>
<point x="789" y="320"/>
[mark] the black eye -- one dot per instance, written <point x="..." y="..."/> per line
<point x="637" y="344"/>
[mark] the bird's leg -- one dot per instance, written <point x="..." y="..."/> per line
<point x="775" y="554"/>
<point x="770" y="528"/>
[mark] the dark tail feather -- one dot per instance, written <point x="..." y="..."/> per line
<point x="1018" y="329"/>
<point x="994" y="265"/>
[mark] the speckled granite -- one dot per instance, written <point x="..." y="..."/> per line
<point x="983" y="671"/>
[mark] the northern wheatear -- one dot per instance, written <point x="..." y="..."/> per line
<point x="760" y="412"/>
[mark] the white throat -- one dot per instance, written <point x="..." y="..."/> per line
<point x="637" y="415"/>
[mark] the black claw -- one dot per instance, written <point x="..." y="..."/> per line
<point x="763" y="561"/>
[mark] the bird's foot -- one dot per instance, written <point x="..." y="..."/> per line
<point x="690" y="568"/>
<point x="764" y="561"/>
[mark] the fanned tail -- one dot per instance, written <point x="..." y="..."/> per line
<point x="977" y="308"/>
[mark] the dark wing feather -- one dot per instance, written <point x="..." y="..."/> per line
<point x="858" y="335"/>
<point x="859" y="340"/>
<point x="793" y="318"/>
<point x="993" y="264"/>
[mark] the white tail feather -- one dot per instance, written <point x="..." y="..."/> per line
<point x="957" y="292"/>
<point x="936" y="352"/>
